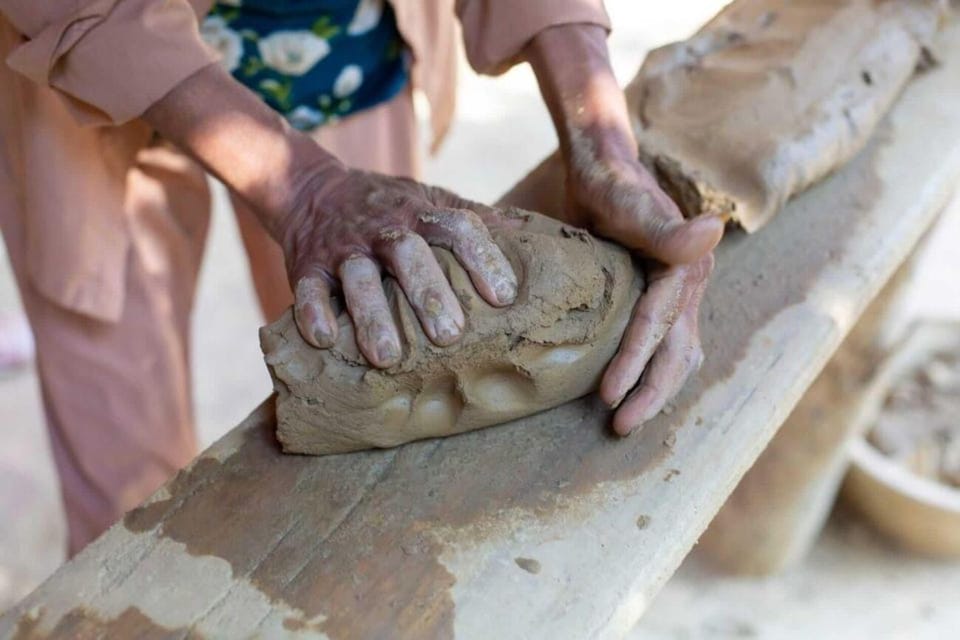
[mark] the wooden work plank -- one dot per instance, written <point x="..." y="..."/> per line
<point x="546" y="527"/>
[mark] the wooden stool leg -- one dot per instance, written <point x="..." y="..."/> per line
<point x="777" y="511"/>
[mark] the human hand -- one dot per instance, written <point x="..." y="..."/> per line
<point x="661" y="346"/>
<point x="339" y="228"/>
<point x="348" y="226"/>
<point x="611" y="193"/>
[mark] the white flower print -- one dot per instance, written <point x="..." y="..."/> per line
<point x="348" y="81"/>
<point x="366" y="17"/>
<point x="224" y="40"/>
<point x="292" y="52"/>
<point x="304" y="118"/>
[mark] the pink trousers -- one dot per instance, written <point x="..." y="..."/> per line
<point x="116" y="395"/>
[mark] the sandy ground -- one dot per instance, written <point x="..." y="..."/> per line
<point x="852" y="586"/>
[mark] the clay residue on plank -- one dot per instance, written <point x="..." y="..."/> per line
<point x="755" y="107"/>
<point x="81" y="624"/>
<point x="294" y="534"/>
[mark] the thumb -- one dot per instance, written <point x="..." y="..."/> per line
<point x="646" y="219"/>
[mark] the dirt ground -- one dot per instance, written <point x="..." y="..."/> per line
<point x="853" y="585"/>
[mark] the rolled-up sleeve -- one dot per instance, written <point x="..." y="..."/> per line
<point x="110" y="59"/>
<point x="495" y="32"/>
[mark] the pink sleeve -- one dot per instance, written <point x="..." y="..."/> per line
<point x="110" y="59"/>
<point x="495" y="32"/>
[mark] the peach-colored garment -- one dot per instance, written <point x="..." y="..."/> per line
<point x="116" y="394"/>
<point x="107" y="61"/>
<point x="105" y="230"/>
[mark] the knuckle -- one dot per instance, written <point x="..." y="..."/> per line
<point x="458" y="223"/>
<point x="388" y="198"/>
<point x="468" y="222"/>
<point x="415" y="248"/>
<point x="643" y="321"/>
<point x="652" y="388"/>
<point x="399" y="244"/>
<point x="312" y="287"/>
<point x="354" y="260"/>
<point x="393" y="235"/>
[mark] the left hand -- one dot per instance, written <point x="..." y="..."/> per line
<point x="610" y="192"/>
<point x="661" y="346"/>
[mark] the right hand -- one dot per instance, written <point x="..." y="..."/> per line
<point x="348" y="226"/>
<point x="339" y="228"/>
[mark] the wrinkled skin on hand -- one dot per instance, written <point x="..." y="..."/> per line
<point x="661" y="348"/>
<point x="340" y="229"/>
<point x="352" y="226"/>
<point x="609" y="192"/>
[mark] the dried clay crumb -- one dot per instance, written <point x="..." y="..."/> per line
<point x="528" y="564"/>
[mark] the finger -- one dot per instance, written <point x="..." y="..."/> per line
<point x="408" y="258"/>
<point x="467" y="236"/>
<point x="375" y="329"/>
<point x="312" y="311"/>
<point x="492" y="217"/>
<point x="701" y="276"/>
<point x="645" y="218"/>
<point x="653" y="315"/>
<point x="678" y="357"/>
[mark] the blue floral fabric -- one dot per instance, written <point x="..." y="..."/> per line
<point x="312" y="60"/>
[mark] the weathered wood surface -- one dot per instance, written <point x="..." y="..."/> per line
<point x="548" y="527"/>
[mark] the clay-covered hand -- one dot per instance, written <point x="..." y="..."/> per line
<point x="611" y="193"/>
<point x="660" y="348"/>
<point x="339" y="228"/>
<point x="618" y="199"/>
<point x="349" y="226"/>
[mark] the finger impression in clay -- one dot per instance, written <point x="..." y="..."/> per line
<point x="771" y="96"/>
<point x="551" y="346"/>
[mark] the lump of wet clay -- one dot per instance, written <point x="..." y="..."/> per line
<point x="551" y="346"/>
<point x="771" y="96"/>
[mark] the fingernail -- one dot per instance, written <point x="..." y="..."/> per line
<point x="711" y="222"/>
<point x="387" y="351"/>
<point x="324" y="339"/>
<point x="649" y="414"/>
<point x="624" y="434"/>
<point x="446" y="330"/>
<point x="506" y="291"/>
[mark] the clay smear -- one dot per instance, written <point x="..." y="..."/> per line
<point x="772" y="95"/>
<point x="549" y="347"/>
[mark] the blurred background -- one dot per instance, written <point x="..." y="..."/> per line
<point x="854" y="584"/>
